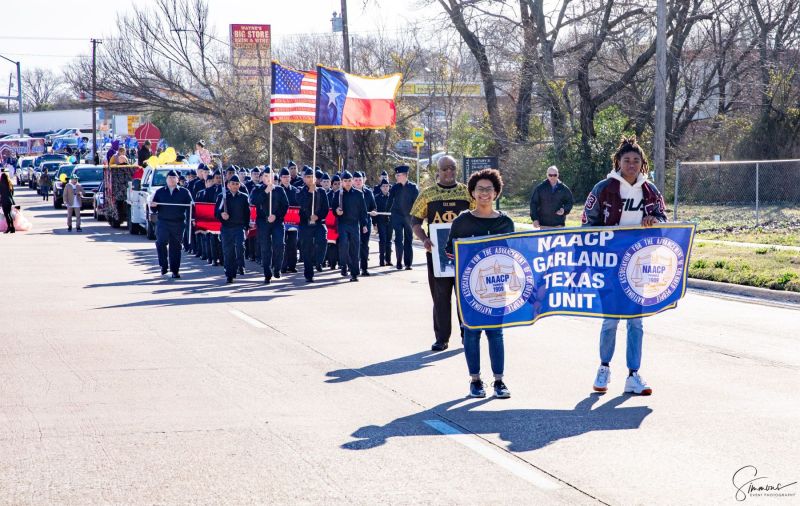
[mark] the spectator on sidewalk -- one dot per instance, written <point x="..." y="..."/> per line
<point x="7" y="201"/>
<point x="551" y="201"/>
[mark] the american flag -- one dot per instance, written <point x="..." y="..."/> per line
<point x="294" y="95"/>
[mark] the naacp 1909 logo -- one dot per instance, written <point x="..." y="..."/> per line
<point x="497" y="281"/>
<point x="651" y="270"/>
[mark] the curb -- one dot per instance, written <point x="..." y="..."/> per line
<point x="745" y="291"/>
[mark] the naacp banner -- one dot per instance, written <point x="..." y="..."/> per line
<point x="614" y="272"/>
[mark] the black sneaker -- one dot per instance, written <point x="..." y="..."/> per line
<point x="266" y="280"/>
<point x="292" y="270"/>
<point x="408" y="267"/>
<point x="241" y="271"/>
<point x="399" y="267"/>
<point x="501" y="390"/>
<point x="353" y="278"/>
<point x="78" y="229"/>
<point x="229" y="280"/>
<point x="163" y="270"/>
<point x="439" y="346"/>
<point x="175" y="275"/>
<point x="365" y="273"/>
<point x="476" y="389"/>
<point x="381" y="263"/>
<point x="318" y="268"/>
<point x="343" y="273"/>
<point x="276" y="274"/>
<point x="309" y="280"/>
<point x="69" y="229"/>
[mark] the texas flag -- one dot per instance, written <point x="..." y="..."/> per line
<point x="350" y="101"/>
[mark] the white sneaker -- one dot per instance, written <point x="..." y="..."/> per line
<point x="637" y="385"/>
<point x="602" y="379"/>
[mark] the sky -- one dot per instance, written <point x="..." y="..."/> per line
<point x="71" y="27"/>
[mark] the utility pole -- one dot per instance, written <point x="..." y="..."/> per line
<point x="8" y="99"/>
<point x="19" y="92"/>
<point x="95" y="42"/>
<point x="346" y="46"/>
<point x="659" y="137"/>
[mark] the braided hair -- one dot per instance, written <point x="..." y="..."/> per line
<point x="629" y="145"/>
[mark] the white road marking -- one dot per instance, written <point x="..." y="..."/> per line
<point x="248" y="319"/>
<point x="512" y="464"/>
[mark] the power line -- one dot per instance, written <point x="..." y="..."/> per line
<point x="25" y="37"/>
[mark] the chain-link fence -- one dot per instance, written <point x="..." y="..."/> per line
<point x="738" y="194"/>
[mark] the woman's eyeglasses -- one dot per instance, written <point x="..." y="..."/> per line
<point x="484" y="189"/>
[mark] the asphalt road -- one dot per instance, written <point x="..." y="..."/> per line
<point x="118" y="386"/>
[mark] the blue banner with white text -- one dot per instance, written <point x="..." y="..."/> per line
<point x="613" y="272"/>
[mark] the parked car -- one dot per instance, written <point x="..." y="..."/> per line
<point x="99" y="202"/>
<point x="25" y="164"/>
<point x="48" y="139"/>
<point x="37" y="166"/>
<point x="406" y="148"/>
<point x="64" y="169"/>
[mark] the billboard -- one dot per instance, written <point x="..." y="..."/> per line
<point x="441" y="89"/>
<point x="251" y="51"/>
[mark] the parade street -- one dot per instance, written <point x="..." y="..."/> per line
<point x="118" y="385"/>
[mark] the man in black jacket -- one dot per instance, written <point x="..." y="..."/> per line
<point x="382" y="222"/>
<point x="144" y="154"/>
<point x="171" y="201"/>
<point x="271" y="205"/>
<point x="352" y="219"/>
<point x="233" y="210"/>
<point x="313" y="234"/>
<point x="551" y="201"/>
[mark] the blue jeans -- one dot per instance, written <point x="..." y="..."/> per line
<point x="608" y="340"/>
<point x="232" y="249"/>
<point x="472" y="350"/>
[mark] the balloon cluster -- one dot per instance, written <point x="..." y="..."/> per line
<point x="167" y="156"/>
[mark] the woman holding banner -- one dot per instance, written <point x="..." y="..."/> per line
<point x="625" y="197"/>
<point x="484" y="186"/>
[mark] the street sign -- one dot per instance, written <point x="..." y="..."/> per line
<point x="474" y="164"/>
<point x="418" y="136"/>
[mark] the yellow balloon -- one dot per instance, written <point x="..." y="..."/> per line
<point x="170" y="155"/>
<point x="152" y="161"/>
<point x="63" y="178"/>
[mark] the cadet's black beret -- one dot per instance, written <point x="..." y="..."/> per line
<point x="254" y="169"/>
<point x="346" y="175"/>
<point x="384" y="173"/>
<point x="172" y="173"/>
<point x="326" y="176"/>
<point x="318" y="174"/>
<point x="267" y="168"/>
<point x="401" y="169"/>
<point x="307" y="171"/>
<point x="217" y="173"/>
<point x="233" y="179"/>
<point x="384" y="181"/>
<point x="335" y="178"/>
<point x="285" y="172"/>
<point x="209" y="177"/>
<point x="192" y="173"/>
<point x="202" y="166"/>
<point x="231" y="168"/>
<point x="358" y="173"/>
<point x="291" y="164"/>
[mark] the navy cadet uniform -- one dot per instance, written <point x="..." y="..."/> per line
<point x="195" y="187"/>
<point x="382" y="222"/>
<point x="377" y="188"/>
<point x="213" y="245"/>
<point x="369" y="200"/>
<point x="401" y="200"/>
<point x="332" y="255"/>
<point x="270" y="235"/>
<point x="233" y="229"/>
<point x="351" y="223"/>
<point x="313" y="237"/>
<point x="251" y="250"/>
<point x="170" y="225"/>
<point x="297" y="179"/>
<point x="290" y="251"/>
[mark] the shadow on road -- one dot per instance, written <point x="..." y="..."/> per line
<point x="523" y="429"/>
<point x="395" y="366"/>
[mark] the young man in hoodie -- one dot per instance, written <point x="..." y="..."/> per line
<point x="625" y="197"/>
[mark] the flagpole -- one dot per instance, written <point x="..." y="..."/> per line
<point x="270" y="168"/>
<point x="314" y="170"/>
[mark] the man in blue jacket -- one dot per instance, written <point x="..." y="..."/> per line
<point x="171" y="203"/>
<point x="271" y="205"/>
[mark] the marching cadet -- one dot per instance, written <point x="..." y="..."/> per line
<point x="440" y="203"/>
<point x="369" y="201"/>
<point x="352" y="221"/>
<point x="401" y="198"/>
<point x="201" y="236"/>
<point x="251" y="249"/>
<point x="377" y="188"/>
<point x="188" y="183"/>
<point x="296" y="180"/>
<point x="313" y="234"/>
<point x="382" y="222"/>
<point x="171" y="202"/>
<point x="271" y="205"/>
<point x="332" y="255"/>
<point x="213" y="240"/>
<point x="290" y="251"/>
<point x="325" y="182"/>
<point x="233" y="210"/>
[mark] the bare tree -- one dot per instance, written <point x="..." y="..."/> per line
<point x="43" y="88"/>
